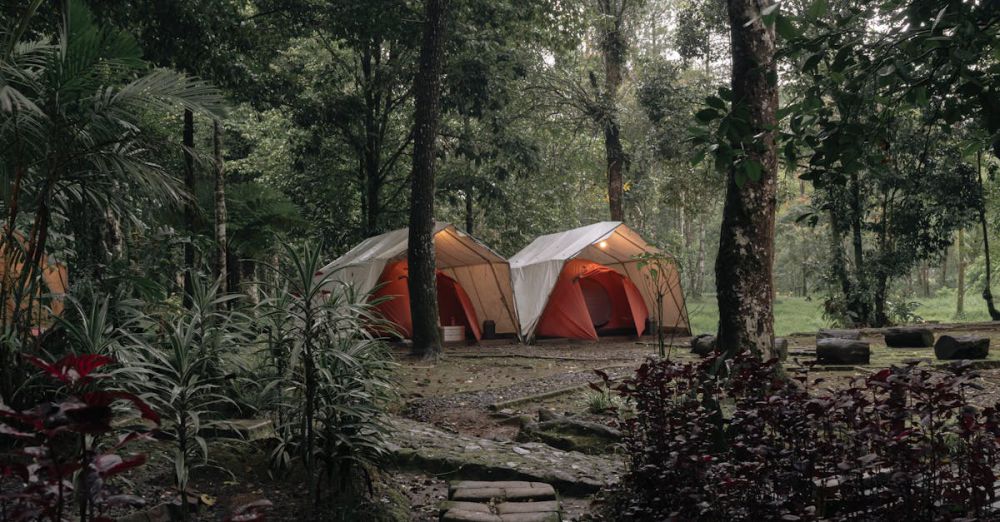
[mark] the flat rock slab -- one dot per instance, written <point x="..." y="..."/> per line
<point x="536" y="491"/>
<point x="500" y="501"/>
<point x="908" y="337"/>
<point x="544" y="506"/>
<point x="418" y="445"/>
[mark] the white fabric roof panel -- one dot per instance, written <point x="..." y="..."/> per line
<point x="536" y="268"/>
<point x="483" y="273"/>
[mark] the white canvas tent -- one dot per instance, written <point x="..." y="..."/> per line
<point x="482" y="273"/>
<point x="536" y="269"/>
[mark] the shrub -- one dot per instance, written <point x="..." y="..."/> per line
<point x="65" y="439"/>
<point x="331" y="379"/>
<point x="904" y="443"/>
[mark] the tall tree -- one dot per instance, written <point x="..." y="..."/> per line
<point x="743" y="269"/>
<point x="190" y="204"/>
<point x="220" y="208"/>
<point x="422" y="282"/>
<point x="613" y="44"/>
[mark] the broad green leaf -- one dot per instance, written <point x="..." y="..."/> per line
<point x="785" y="28"/>
<point x="817" y="9"/>
<point x="707" y="115"/>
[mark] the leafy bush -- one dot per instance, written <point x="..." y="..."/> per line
<point x="62" y="439"/>
<point x="904" y="443"/>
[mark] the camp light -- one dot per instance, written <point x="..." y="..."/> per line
<point x="603" y="244"/>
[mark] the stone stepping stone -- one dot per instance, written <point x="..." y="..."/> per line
<point x="513" y="490"/>
<point x="500" y="501"/>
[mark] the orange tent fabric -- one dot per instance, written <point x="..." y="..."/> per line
<point x="589" y="296"/>
<point x="454" y="306"/>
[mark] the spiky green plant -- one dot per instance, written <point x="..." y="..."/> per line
<point x="332" y="378"/>
<point x="171" y="370"/>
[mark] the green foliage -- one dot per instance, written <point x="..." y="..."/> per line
<point x="330" y="378"/>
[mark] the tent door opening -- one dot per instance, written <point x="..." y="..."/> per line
<point x="591" y="300"/>
<point x="392" y="299"/>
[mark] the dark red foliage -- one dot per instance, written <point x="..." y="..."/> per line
<point x="902" y="444"/>
<point x="72" y="369"/>
<point x="53" y="446"/>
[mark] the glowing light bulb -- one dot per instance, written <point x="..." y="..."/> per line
<point x="603" y="244"/>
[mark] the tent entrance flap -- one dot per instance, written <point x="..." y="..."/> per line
<point x="590" y="299"/>
<point x="392" y="299"/>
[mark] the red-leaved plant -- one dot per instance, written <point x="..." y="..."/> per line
<point x="61" y="458"/>
<point x="904" y="443"/>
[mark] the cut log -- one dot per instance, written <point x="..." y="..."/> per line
<point x="953" y="347"/>
<point x="909" y="337"/>
<point x="703" y="345"/>
<point x="833" y="333"/>
<point x="842" y="351"/>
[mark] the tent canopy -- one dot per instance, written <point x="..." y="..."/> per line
<point x="482" y="274"/>
<point x="536" y="271"/>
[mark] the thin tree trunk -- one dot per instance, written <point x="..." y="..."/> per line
<point x="422" y="281"/>
<point x="699" y="282"/>
<point x="987" y="292"/>
<point x="469" y="220"/>
<point x="960" y="285"/>
<point x="221" y="244"/>
<point x="744" y="268"/>
<point x="943" y="280"/>
<point x="189" y="206"/>
<point x="613" y="48"/>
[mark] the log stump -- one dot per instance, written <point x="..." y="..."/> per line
<point x="842" y="351"/>
<point x="833" y="333"/>
<point x="909" y="337"/>
<point x="957" y="347"/>
<point x="703" y="345"/>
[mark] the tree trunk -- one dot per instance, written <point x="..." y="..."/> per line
<point x="469" y="221"/>
<point x="744" y="267"/>
<point x="960" y="284"/>
<point x="805" y="280"/>
<point x="943" y="280"/>
<point x="860" y="303"/>
<point x="613" y="50"/>
<point x="987" y="292"/>
<point x="699" y="284"/>
<point x="189" y="205"/>
<point x="420" y="253"/>
<point x="221" y="258"/>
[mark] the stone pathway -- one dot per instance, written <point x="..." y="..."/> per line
<point x="505" y="501"/>
<point x="423" y="447"/>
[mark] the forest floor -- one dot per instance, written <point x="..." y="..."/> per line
<point x="476" y="398"/>
<point x="462" y="392"/>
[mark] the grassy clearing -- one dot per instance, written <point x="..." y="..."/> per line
<point x="798" y="314"/>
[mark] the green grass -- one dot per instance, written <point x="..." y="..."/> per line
<point x="797" y="314"/>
